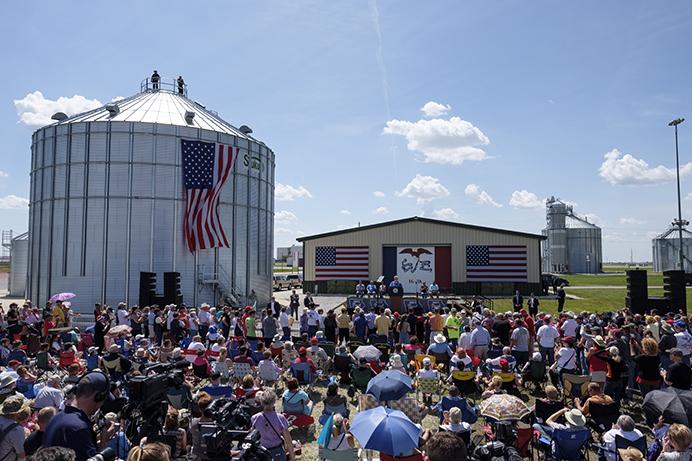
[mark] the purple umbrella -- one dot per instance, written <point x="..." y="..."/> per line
<point x="62" y="297"/>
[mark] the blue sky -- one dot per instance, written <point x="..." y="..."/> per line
<point x="530" y="97"/>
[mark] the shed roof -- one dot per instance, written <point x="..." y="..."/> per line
<point x="422" y="220"/>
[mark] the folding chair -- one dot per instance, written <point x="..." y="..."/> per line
<point x="537" y="375"/>
<point x="442" y="358"/>
<point x="384" y="348"/>
<point x="343" y="366"/>
<point x="524" y="442"/>
<point x="566" y="445"/>
<point x="468" y="412"/>
<point x="544" y="409"/>
<point x="430" y="386"/>
<point x="329" y="410"/>
<point x="240" y="370"/>
<point x="352" y="454"/>
<point x="419" y="360"/>
<point x="575" y="385"/>
<point x="360" y="378"/>
<point x="219" y="391"/>
<point x="367" y="402"/>
<point x="410" y="407"/>
<point x="329" y="348"/>
<point x="303" y="373"/>
<point x="465" y="381"/>
<point x="603" y="416"/>
<point x="621" y="442"/>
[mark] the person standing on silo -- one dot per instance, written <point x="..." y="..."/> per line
<point x="155" y="79"/>
<point x="181" y="85"/>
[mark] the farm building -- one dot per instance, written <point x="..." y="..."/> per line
<point x="460" y="258"/>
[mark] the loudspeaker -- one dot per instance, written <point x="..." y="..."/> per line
<point x="171" y="288"/>
<point x="674" y="288"/>
<point x="637" y="291"/>
<point x="147" y="288"/>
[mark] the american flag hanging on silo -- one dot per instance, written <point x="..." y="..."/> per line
<point x="206" y="167"/>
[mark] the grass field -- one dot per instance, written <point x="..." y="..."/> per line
<point x="613" y="275"/>
<point x="283" y="267"/>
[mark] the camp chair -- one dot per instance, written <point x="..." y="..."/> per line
<point x="598" y="377"/>
<point x="524" y="442"/>
<point x="621" y="442"/>
<point x="545" y="409"/>
<point x="384" y="348"/>
<point x="178" y="398"/>
<point x="268" y="375"/>
<point x="303" y="373"/>
<point x="410" y="407"/>
<point x="419" y="360"/>
<point x="465" y="381"/>
<point x="360" y="378"/>
<point x="239" y="370"/>
<point x="367" y="402"/>
<point x="352" y="454"/>
<point x="377" y="339"/>
<point x="569" y="445"/>
<point x="442" y="358"/>
<point x="329" y="410"/>
<point x="603" y="416"/>
<point x="353" y="345"/>
<point x="414" y="457"/>
<point x="219" y="391"/>
<point x="329" y="348"/>
<point x="537" y="375"/>
<point x="468" y="412"/>
<point x="275" y="351"/>
<point x="575" y="385"/>
<point x="509" y="382"/>
<point x="429" y="386"/>
<point x="342" y="366"/>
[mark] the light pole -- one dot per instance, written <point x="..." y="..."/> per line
<point x="679" y="222"/>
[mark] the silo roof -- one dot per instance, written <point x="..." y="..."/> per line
<point x="161" y="106"/>
<point x="672" y="233"/>
<point x="575" y="222"/>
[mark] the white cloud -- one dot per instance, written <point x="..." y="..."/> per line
<point x="345" y="212"/>
<point x="435" y="109"/>
<point x="480" y="196"/>
<point x="614" y="237"/>
<point x="36" y="110"/>
<point x="631" y="221"/>
<point x="286" y="230"/>
<point x="424" y="189"/>
<point x="381" y="210"/>
<point x="284" y="217"/>
<point x="626" y="170"/>
<point x="525" y="199"/>
<point x="3" y="174"/>
<point x="12" y="202"/>
<point x="378" y="194"/>
<point x="441" y="141"/>
<point x="117" y="98"/>
<point x="288" y="193"/>
<point x="689" y="196"/>
<point x="446" y="214"/>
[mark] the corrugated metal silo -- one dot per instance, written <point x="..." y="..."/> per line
<point x="19" y="262"/>
<point x="666" y="250"/>
<point x="107" y="202"/>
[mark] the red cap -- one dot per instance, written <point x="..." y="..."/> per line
<point x="14" y="363"/>
<point x="302" y="351"/>
<point x="314" y="340"/>
<point x="504" y="363"/>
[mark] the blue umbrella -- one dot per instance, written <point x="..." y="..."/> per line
<point x="385" y="430"/>
<point x="390" y="385"/>
<point x="326" y="434"/>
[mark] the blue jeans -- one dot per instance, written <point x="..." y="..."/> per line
<point x="277" y="453"/>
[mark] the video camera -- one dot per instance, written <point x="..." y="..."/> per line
<point x="233" y="425"/>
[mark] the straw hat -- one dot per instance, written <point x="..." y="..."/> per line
<point x="13" y="405"/>
<point x="665" y="326"/>
<point x="631" y="454"/>
<point x="599" y="341"/>
<point x="575" y="418"/>
<point x="395" y="361"/>
<point x="113" y="348"/>
<point x="440" y="338"/>
<point x="7" y="379"/>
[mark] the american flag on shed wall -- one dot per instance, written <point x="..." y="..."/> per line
<point x="496" y="263"/>
<point x="342" y="263"/>
<point x="206" y="167"/>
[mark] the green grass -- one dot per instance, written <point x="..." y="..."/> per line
<point x="283" y="267"/>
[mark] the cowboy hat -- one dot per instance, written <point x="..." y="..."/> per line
<point x="113" y="348"/>
<point x="599" y="340"/>
<point x="395" y="361"/>
<point x="665" y="326"/>
<point x="13" y="405"/>
<point x="575" y="418"/>
<point x="277" y="337"/>
<point x="631" y="454"/>
<point x="440" y="338"/>
<point x="7" y="379"/>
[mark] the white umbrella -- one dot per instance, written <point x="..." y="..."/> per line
<point x="368" y="353"/>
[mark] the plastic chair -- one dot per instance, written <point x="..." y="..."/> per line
<point x="575" y="385"/>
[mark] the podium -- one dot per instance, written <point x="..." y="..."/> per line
<point x="395" y="295"/>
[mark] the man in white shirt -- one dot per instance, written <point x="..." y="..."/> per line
<point x="569" y="326"/>
<point x="50" y="395"/>
<point x="313" y="321"/>
<point x="122" y="314"/>
<point x="684" y="340"/>
<point x="284" y="323"/>
<point x="204" y="319"/>
<point x="547" y="334"/>
<point x="624" y="428"/>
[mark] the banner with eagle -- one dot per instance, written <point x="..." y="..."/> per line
<point x="415" y="264"/>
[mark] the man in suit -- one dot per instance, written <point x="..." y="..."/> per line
<point x="533" y="304"/>
<point x="274" y="308"/>
<point x="517" y="301"/>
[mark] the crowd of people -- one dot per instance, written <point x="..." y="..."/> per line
<point x="59" y="383"/>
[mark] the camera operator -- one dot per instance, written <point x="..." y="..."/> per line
<point x="73" y="427"/>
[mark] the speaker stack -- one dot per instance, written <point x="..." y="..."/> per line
<point x="147" y="288"/>
<point x="637" y="291"/>
<point x="171" y="288"/>
<point x="674" y="289"/>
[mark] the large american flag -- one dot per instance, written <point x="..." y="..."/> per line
<point x="342" y="263"/>
<point x="496" y="263"/>
<point x="206" y="167"/>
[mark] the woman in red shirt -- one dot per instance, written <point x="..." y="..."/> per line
<point x="596" y="355"/>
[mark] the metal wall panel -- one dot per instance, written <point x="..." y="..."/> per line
<point x="97" y="179"/>
<point x="163" y="238"/>
<point x="117" y="250"/>
<point x="59" y="229"/>
<point x="97" y="145"/>
<point x="120" y="147"/>
<point x="166" y="149"/>
<point x="78" y="148"/>
<point x="61" y="149"/>
<point x="75" y="245"/>
<point x="143" y="147"/>
<point x="119" y="179"/>
<point x="241" y="247"/>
